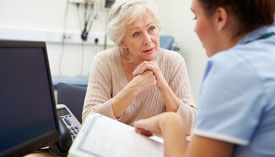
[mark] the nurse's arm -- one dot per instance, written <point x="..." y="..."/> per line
<point x="170" y="125"/>
<point x="175" y="143"/>
<point x="207" y="147"/>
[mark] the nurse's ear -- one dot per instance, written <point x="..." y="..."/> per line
<point x="221" y="18"/>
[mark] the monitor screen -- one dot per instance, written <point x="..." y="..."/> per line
<point x="27" y="106"/>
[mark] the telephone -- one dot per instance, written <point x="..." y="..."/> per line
<point x="69" y="127"/>
<point x="67" y="117"/>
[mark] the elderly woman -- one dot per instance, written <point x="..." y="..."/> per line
<point x="138" y="79"/>
<point x="237" y="102"/>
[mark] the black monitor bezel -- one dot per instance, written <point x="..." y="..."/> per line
<point x="43" y="140"/>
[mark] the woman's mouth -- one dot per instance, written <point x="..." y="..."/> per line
<point x="149" y="51"/>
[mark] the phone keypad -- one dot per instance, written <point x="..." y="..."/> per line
<point x="72" y="129"/>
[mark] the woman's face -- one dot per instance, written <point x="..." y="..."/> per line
<point x="142" y="37"/>
<point x="205" y="29"/>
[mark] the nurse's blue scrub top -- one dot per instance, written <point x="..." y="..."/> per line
<point x="237" y="97"/>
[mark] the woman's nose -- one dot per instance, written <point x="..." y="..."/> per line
<point x="147" y="38"/>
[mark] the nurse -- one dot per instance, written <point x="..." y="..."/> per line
<point x="236" y="115"/>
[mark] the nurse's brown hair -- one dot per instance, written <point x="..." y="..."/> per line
<point x="250" y="14"/>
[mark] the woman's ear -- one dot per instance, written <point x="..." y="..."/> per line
<point x="123" y="45"/>
<point x="221" y="18"/>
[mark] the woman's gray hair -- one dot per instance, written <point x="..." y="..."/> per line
<point x="124" y="12"/>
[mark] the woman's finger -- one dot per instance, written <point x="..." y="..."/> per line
<point x="140" y="68"/>
<point x="137" y="69"/>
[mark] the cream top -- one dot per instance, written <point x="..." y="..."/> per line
<point x="107" y="78"/>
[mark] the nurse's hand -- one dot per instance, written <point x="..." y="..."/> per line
<point x="152" y="66"/>
<point x="148" y="126"/>
<point x="158" y="124"/>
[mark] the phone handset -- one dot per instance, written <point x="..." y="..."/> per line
<point x="69" y="127"/>
<point x="70" y="121"/>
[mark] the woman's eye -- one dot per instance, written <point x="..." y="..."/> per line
<point x="152" y="28"/>
<point x="195" y="18"/>
<point x="136" y="34"/>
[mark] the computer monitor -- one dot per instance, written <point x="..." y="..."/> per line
<point x="28" y="116"/>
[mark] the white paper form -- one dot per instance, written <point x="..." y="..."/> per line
<point x="105" y="137"/>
